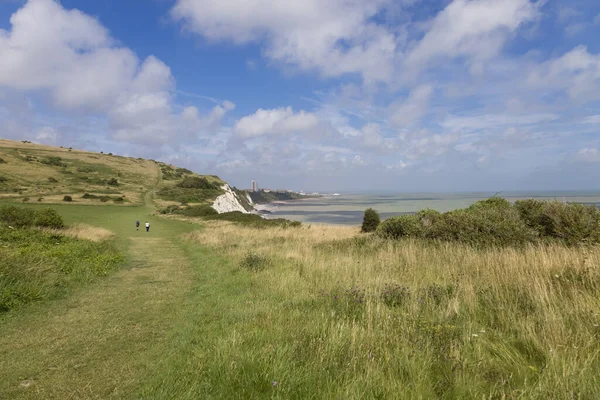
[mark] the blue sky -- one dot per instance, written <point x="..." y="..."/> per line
<point x="328" y="95"/>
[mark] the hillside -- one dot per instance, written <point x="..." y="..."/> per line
<point x="44" y="174"/>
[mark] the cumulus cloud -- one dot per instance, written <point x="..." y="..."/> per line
<point x="275" y="121"/>
<point x="71" y="57"/>
<point x="476" y="30"/>
<point x="577" y="72"/>
<point x="334" y="37"/>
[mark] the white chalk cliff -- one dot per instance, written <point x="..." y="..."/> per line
<point x="228" y="202"/>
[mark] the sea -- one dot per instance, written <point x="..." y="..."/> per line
<point x="348" y="208"/>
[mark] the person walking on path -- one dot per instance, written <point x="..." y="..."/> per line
<point x="147" y="226"/>
<point x="137" y="225"/>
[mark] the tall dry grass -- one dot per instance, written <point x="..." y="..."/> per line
<point x="425" y="319"/>
<point x="84" y="232"/>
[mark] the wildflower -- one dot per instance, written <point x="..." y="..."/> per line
<point x="274" y="383"/>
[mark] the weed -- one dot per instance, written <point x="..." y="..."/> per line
<point x="255" y="262"/>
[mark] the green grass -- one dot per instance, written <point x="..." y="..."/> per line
<point x="38" y="266"/>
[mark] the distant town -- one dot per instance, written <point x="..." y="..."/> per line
<point x="254" y="188"/>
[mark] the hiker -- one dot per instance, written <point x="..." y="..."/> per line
<point x="137" y="225"/>
<point x="147" y="226"/>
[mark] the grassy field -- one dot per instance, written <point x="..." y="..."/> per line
<point x="214" y="309"/>
<point x="326" y="315"/>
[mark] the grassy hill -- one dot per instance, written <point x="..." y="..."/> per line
<point x="33" y="173"/>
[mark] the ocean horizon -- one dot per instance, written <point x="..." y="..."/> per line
<point x="348" y="208"/>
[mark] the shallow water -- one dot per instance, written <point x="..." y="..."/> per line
<point x="348" y="209"/>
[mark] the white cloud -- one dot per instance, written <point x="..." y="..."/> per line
<point x="372" y="135"/>
<point x="47" y="135"/>
<point x="71" y="57"/>
<point x="275" y="121"/>
<point x="589" y="155"/>
<point x="334" y="37"/>
<point x="413" y="108"/>
<point x="473" y="29"/>
<point x="597" y="20"/>
<point x="577" y="72"/>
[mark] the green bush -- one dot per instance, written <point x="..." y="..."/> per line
<point x="197" y="182"/>
<point x="185" y="195"/>
<point x="401" y="226"/>
<point x="198" y="211"/>
<point x="254" y="221"/>
<point x="371" y="221"/>
<point x="54" y="161"/>
<point x="23" y="217"/>
<point x="112" y="182"/>
<point x="48" y="218"/>
<point x="17" y="217"/>
<point x="68" y="199"/>
<point x="496" y="221"/>
<point x="255" y="262"/>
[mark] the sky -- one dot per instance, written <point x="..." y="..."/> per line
<point x="319" y="95"/>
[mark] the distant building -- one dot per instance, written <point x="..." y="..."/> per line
<point x="254" y="186"/>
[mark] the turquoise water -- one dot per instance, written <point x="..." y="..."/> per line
<point x="348" y="209"/>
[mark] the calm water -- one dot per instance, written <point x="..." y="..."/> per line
<point x="348" y="209"/>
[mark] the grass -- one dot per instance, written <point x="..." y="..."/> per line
<point x="333" y="316"/>
<point x="314" y="312"/>
<point x="223" y="310"/>
<point x="37" y="171"/>
<point x="41" y="265"/>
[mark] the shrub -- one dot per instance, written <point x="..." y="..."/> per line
<point x="196" y="182"/>
<point x="371" y="221"/>
<point x="199" y="211"/>
<point x="183" y="171"/>
<point x="40" y="199"/>
<point x="3" y="179"/>
<point x="254" y="221"/>
<point x="54" y="161"/>
<point x="112" y="182"/>
<point x="52" y="180"/>
<point x="401" y="226"/>
<point x="255" y="262"/>
<point x="25" y="199"/>
<point x="118" y="200"/>
<point x="17" y="217"/>
<point x="570" y="223"/>
<point x="2" y="161"/>
<point x="67" y="198"/>
<point x="488" y="222"/>
<point x="48" y="218"/>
